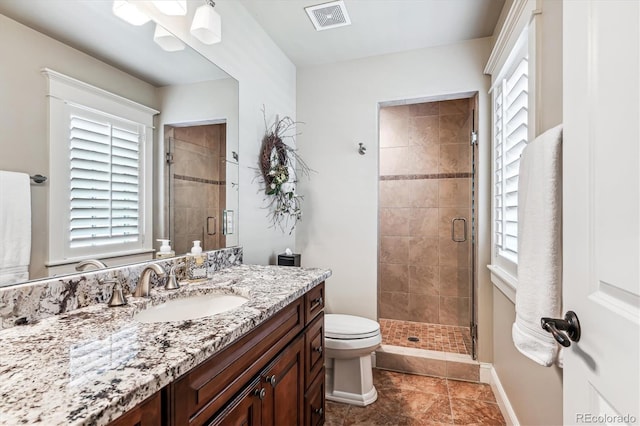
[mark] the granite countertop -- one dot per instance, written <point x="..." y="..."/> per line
<point x="93" y="364"/>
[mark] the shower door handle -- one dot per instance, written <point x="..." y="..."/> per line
<point x="215" y="225"/>
<point x="453" y="230"/>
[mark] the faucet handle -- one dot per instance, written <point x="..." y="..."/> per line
<point x="172" y="282"/>
<point x="117" y="293"/>
<point x="117" y="296"/>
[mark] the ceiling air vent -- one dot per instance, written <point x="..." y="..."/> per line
<point x="328" y="15"/>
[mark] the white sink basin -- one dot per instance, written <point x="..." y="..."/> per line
<point x="190" y="308"/>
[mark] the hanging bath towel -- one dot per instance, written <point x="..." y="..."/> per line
<point x="539" y="292"/>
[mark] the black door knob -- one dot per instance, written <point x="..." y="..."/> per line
<point x="556" y="326"/>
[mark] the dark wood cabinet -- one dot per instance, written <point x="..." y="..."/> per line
<point x="272" y="376"/>
<point x="313" y="303"/>
<point x="244" y="410"/>
<point x="314" y="402"/>
<point x="283" y="381"/>
<point x="147" y="413"/>
<point x="314" y="397"/>
<point x="203" y="392"/>
<point x="314" y="351"/>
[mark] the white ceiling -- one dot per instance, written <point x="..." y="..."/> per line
<point x="378" y="26"/>
<point x="91" y="27"/>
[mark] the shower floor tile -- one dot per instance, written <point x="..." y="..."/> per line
<point x="433" y="337"/>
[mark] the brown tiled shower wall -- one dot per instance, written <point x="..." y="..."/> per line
<point x="425" y="182"/>
<point x="199" y="191"/>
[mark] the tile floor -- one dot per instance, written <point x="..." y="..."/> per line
<point x="407" y="399"/>
<point x="434" y="337"/>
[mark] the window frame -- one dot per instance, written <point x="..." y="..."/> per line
<point x="65" y="94"/>
<point x="521" y="49"/>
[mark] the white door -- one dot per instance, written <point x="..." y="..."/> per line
<point x="601" y="221"/>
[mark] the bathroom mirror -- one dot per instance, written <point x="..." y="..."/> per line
<point x="198" y="102"/>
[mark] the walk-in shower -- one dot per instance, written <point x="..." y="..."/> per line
<point x="426" y="225"/>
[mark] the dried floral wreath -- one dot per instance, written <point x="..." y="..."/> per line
<point x="280" y="166"/>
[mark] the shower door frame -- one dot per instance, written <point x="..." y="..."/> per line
<point x="473" y="326"/>
<point x="169" y="149"/>
<point x="473" y="141"/>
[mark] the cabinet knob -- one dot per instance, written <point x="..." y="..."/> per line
<point x="319" y="300"/>
<point x="272" y="380"/>
<point x="318" y="349"/>
<point x="318" y="411"/>
<point x="260" y="393"/>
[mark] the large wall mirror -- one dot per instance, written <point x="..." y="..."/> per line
<point x="195" y="135"/>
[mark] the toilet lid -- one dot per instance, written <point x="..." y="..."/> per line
<point x="338" y="326"/>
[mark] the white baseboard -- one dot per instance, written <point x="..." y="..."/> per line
<point x="489" y="375"/>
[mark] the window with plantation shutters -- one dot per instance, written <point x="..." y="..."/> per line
<point x="510" y="133"/>
<point x="104" y="166"/>
<point x="100" y="166"/>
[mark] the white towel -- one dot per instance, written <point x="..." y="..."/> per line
<point x="15" y="227"/>
<point x="539" y="292"/>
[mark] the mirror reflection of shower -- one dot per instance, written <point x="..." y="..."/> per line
<point x="196" y="167"/>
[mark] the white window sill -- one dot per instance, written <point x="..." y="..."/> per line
<point x="67" y="266"/>
<point x="99" y="256"/>
<point x="504" y="281"/>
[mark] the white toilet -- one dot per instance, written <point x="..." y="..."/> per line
<point x="349" y="341"/>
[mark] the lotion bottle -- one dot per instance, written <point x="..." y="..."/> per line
<point x="196" y="265"/>
<point x="165" y="250"/>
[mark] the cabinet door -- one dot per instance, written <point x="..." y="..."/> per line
<point x="313" y="303"/>
<point x="314" y="349"/>
<point x="314" y="402"/>
<point x="147" y="413"/>
<point x="244" y="410"/>
<point x="283" y="382"/>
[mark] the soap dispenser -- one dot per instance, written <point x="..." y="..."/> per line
<point x="165" y="250"/>
<point x="196" y="266"/>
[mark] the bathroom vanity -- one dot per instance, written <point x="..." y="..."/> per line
<point x="261" y="363"/>
<point x="274" y="375"/>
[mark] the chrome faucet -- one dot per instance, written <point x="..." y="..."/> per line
<point x="90" y="262"/>
<point x="143" y="289"/>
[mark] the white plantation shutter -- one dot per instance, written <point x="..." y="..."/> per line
<point x="100" y="165"/>
<point x="104" y="168"/>
<point x="510" y="122"/>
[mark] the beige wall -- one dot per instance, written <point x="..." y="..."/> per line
<point x="535" y="392"/>
<point x="24" y="116"/>
<point x="339" y="105"/>
<point x="425" y="182"/>
<point x="267" y="79"/>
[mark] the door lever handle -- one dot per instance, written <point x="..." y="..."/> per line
<point x="555" y="326"/>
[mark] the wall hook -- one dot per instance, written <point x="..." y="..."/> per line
<point x="363" y="149"/>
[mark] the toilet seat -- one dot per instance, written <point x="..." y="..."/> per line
<point x="349" y="327"/>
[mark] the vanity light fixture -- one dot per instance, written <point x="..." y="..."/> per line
<point x="166" y="40"/>
<point x="129" y="12"/>
<point x="171" y="7"/>
<point x="207" y="25"/>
